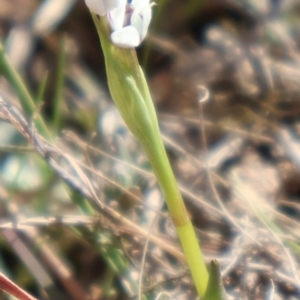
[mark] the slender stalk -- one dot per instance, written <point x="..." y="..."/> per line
<point x="41" y="90"/>
<point x="25" y="98"/>
<point x="185" y="230"/>
<point x="59" y="89"/>
<point x="130" y="93"/>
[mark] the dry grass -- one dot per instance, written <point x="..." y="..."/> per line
<point x="81" y="214"/>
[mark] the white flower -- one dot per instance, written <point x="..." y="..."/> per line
<point x="102" y="7"/>
<point x="130" y="22"/>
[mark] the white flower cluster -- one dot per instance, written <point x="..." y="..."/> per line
<point x="129" y="21"/>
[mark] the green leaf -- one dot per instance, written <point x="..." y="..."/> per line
<point x="215" y="289"/>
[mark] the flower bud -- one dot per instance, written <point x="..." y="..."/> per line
<point x="130" y="23"/>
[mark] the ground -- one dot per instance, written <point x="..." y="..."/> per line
<point x="78" y="197"/>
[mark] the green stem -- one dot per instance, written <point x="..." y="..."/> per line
<point x="59" y="89"/>
<point x="130" y="93"/>
<point x="25" y="98"/>
<point x="185" y="230"/>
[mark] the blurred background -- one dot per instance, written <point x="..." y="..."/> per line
<point x="81" y="216"/>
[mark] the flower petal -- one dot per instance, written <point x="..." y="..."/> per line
<point x="136" y="21"/>
<point x="116" y="17"/>
<point x="102" y="7"/>
<point x="141" y="20"/>
<point x="140" y="4"/>
<point x="147" y="15"/>
<point x="127" y="37"/>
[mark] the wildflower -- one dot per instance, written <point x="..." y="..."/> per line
<point x="130" y="22"/>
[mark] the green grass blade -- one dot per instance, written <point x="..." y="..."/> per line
<point x="215" y="289"/>
<point x="41" y="90"/>
<point x="26" y="99"/>
<point x="60" y="82"/>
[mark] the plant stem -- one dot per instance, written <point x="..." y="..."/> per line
<point x="25" y="98"/>
<point x="131" y="95"/>
<point x="185" y="230"/>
